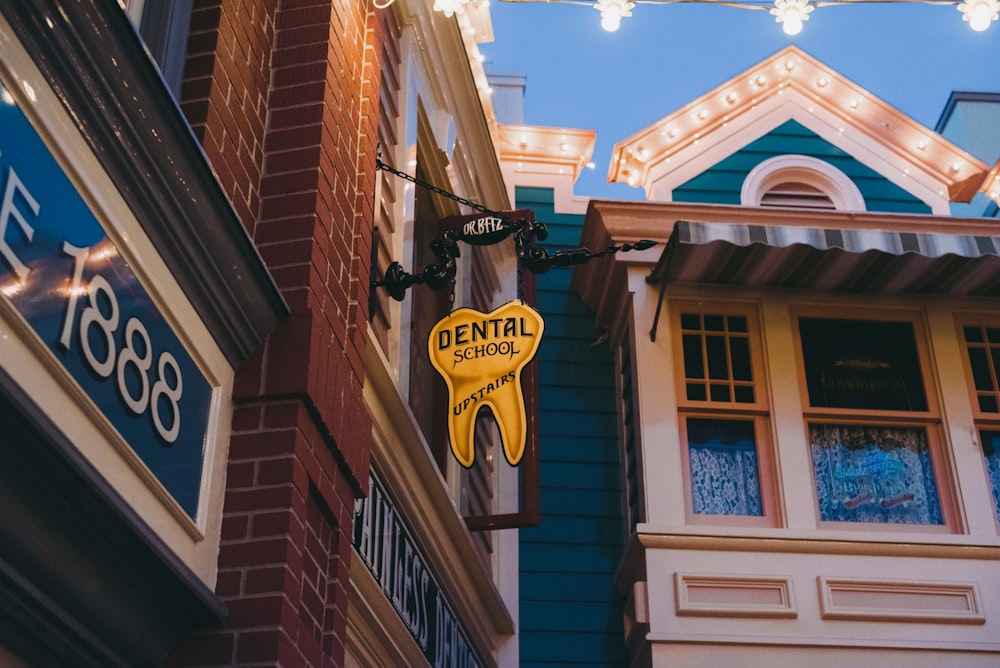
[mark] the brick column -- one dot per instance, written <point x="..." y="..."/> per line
<point x="283" y="95"/>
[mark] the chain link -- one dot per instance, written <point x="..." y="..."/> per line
<point x="434" y="189"/>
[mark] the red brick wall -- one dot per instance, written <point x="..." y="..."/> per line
<point x="283" y="95"/>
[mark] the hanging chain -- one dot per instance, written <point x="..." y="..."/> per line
<point x="434" y="189"/>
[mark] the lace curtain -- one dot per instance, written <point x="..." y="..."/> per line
<point x="991" y="453"/>
<point x="868" y="473"/>
<point x="722" y="455"/>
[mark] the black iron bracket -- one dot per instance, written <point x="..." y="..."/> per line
<point x="491" y="227"/>
<point x="445" y="247"/>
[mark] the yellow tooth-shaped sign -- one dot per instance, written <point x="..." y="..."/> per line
<point x="480" y="356"/>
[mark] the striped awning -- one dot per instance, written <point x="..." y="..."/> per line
<point x="844" y="260"/>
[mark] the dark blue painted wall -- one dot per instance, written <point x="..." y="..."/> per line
<point x="570" y="614"/>
<point x="721" y="183"/>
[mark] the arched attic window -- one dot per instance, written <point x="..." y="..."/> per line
<point x="800" y="181"/>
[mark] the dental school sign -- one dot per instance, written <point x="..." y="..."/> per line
<point x="64" y="282"/>
<point x="480" y="356"/>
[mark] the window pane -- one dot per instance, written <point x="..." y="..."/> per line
<point x="973" y="334"/>
<point x="993" y="335"/>
<point x="720" y="392"/>
<point x="980" y="369"/>
<point x="995" y="357"/>
<point x="718" y="362"/>
<point x="862" y="364"/>
<point x="723" y="462"/>
<point x="696" y="392"/>
<point x="743" y="394"/>
<point x="991" y="453"/>
<point x="690" y="321"/>
<point x="988" y="403"/>
<point x="739" y="349"/>
<point x="694" y="365"/>
<point x="738" y="323"/>
<point x="715" y="323"/>
<point x="870" y="473"/>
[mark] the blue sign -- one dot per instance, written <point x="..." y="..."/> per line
<point x="64" y="275"/>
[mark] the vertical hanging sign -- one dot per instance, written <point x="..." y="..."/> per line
<point x="480" y="356"/>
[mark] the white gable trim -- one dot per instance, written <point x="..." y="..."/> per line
<point x="703" y="153"/>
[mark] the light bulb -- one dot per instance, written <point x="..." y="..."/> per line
<point x="793" y="21"/>
<point x="611" y="21"/>
<point x="979" y="13"/>
<point x="980" y="17"/>
<point x="790" y="14"/>
<point x="612" y="12"/>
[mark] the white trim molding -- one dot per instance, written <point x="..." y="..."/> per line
<point x="899" y="601"/>
<point x="836" y="185"/>
<point x="734" y="596"/>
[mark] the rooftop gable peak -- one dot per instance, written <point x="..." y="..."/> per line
<point x="792" y="85"/>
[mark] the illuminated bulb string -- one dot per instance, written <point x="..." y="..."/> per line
<point x="790" y="14"/>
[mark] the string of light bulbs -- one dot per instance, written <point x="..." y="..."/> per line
<point x="790" y="14"/>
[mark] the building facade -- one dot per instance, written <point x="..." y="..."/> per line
<point x="807" y="357"/>
<point x="132" y="293"/>
<point x="225" y="443"/>
<point x="223" y="446"/>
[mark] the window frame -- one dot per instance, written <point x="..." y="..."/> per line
<point x="164" y="26"/>
<point x="982" y="420"/>
<point x="930" y="419"/>
<point x="758" y="412"/>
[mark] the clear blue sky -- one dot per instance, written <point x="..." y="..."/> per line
<point x="911" y="55"/>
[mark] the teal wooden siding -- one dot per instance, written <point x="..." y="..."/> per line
<point x="570" y="614"/>
<point x="721" y="183"/>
